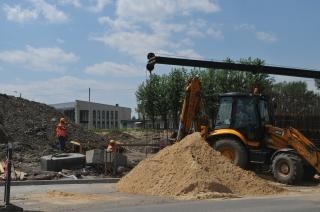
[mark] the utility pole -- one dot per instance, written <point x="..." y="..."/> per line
<point x="89" y="115"/>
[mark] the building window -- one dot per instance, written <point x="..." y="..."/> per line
<point x="103" y="119"/>
<point x="94" y="118"/>
<point x="108" y="120"/>
<point x="99" y="119"/>
<point x="112" y="119"/>
<point x="84" y="116"/>
<point x="116" y="115"/>
<point x="116" y="124"/>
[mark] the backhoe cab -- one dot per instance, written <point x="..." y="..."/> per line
<point x="243" y="131"/>
<point x="245" y="113"/>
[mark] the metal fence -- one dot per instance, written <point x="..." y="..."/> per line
<point x="301" y="112"/>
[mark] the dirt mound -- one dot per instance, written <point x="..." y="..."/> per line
<point x="192" y="169"/>
<point x="31" y="127"/>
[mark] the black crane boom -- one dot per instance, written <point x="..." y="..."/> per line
<point x="277" y="70"/>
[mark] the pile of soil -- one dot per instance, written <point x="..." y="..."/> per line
<point x="191" y="169"/>
<point x="31" y="127"/>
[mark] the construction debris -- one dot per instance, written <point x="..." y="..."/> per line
<point x="191" y="169"/>
<point x="31" y="127"/>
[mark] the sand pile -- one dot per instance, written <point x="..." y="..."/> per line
<point x="191" y="169"/>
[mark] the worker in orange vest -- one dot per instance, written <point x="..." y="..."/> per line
<point x="61" y="134"/>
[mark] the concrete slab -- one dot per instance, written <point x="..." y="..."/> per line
<point x="57" y="162"/>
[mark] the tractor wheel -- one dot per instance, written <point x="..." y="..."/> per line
<point x="287" y="168"/>
<point x="233" y="150"/>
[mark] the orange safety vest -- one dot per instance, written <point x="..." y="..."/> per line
<point x="61" y="130"/>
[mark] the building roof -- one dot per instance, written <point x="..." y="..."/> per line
<point x="65" y="105"/>
<point x="71" y="105"/>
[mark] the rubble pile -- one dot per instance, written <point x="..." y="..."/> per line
<point x="191" y="169"/>
<point x="31" y="127"/>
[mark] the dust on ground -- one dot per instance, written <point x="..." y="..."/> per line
<point x="65" y="198"/>
<point x="191" y="169"/>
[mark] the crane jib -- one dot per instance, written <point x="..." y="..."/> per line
<point x="276" y="70"/>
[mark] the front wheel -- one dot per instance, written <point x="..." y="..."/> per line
<point x="232" y="150"/>
<point x="287" y="168"/>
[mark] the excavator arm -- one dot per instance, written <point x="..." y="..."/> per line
<point x="190" y="116"/>
<point x="292" y="138"/>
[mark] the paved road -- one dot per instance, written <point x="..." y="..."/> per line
<point x="242" y="205"/>
<point x="102" y="197"/>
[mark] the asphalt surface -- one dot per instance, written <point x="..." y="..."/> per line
<point x="103" y="197"/>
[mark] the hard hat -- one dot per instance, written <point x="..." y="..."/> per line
<point x="112" y="141"/>
<point x="62" y="120"/>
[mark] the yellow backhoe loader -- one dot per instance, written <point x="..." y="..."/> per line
<point x="243" y="130"/>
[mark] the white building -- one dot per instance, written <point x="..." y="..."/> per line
<point x="102" y="116"/>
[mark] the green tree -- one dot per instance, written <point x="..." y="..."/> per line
<point x="141" y="98"/>
<point x="295" y="98"/>
<point x="176" y="86"/>
<point x="162" y="106"/>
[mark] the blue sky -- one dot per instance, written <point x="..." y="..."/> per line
<point x="52" y="51"/>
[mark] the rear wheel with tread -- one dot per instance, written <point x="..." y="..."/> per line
<point x="287" y="168"/>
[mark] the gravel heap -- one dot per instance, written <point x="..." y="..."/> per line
<point x="31" y="127"/>
<point x="191" y="169"/>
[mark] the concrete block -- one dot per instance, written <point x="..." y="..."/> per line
<point x="95" y="156"/>
<point x="58" y="162"/>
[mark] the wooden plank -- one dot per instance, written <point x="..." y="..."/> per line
<point x="75" y="143"/>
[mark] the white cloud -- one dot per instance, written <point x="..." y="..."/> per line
<point x="17" y="14"/>
<point x="215" y="33"/>
<point x="245" y="27"/>
<point x="265" y="36"/>
<point x="136" y="43"/>
<point x="189" y="53"/>
<point x="100" y="5"/>
<point x="117" y="24"/>
<point x="75" y="3"/>
<point x="260" y="35"/>
<point x="199" y="5"/>
<point x="162" y="9"/>
<point x="141" y="26"/>
<point x="40" y="8"/>
<point x="50" y="12"/>
<point x="44" y="59"/>
<point x="145" y="9"/>
<point x="167" y="28"/>
<point x="91" y="5"/>
<point x="114" y="69"/>
<point x="200" y="29"/>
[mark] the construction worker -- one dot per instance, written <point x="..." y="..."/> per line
<point x="61" y="134"/>
<point x="111" y="146"/>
